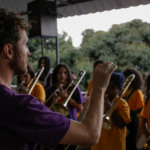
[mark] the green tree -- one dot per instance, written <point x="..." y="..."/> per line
<point x="127" y="45"/>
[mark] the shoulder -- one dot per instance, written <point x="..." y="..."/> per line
<point x="77" y="88"/>
<point x="122" y="103"/>
<point x="137" y="93"/>
<point x="13" y="102"/>
<point x="5" y="91"/>
<point x="39" y="85"/>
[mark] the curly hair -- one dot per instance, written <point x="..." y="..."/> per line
<point x="9" y="23"/>
<point x="137" y="83"/>
<point x="97" y="62"/>
<point x="55" y="72"/>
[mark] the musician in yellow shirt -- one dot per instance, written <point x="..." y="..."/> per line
<point x="115" y="138"/>
<point x="38" y="90"/>
<point x="134" y="98"/>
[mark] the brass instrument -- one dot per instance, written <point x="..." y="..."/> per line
<point x="62" y="108"/>
<point x="28" y="88"/>
<point x="106" y="118"/>
<point x="55" y="92"/>
<point x="19" y="87"/>
<point x="36" y="77"/>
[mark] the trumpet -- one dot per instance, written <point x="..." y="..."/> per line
<point x="106" y="118"/>
<point x="62" y="107"/>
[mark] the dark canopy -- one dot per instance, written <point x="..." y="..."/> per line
<point x="67" y="8"/>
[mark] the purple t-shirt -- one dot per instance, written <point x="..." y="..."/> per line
<point x="24" y="122"/>
<point x="77" y="96"/>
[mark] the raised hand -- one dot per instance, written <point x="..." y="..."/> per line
<point x="102" y="74"/>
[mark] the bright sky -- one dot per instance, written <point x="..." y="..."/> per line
<point x="101" y="21"/>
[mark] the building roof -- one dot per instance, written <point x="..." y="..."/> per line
<point x="66" y="8"/>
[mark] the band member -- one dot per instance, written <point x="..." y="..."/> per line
<point x="28" y="80"/>
<point x="134" y="97"/>
<point x="24" y="121"/>
<point x="62" y="76"/>
<point x="115" y="138"/>
<point x="145" y="113"/>
<point x="44" y="79"/>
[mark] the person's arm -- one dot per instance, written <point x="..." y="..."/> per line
<point x="77" y="99"/>
<point x="88" y="131"/>
<point x="76" y="105"/>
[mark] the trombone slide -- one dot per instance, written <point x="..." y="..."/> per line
<point x="39" y="72"/>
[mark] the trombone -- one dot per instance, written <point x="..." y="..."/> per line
<point x="55" y="92"/>
<point x="19" y="87"/>
<point x="106" y="118"/>
<point x="33" y="81"/>
<point x="28" y="89"/>
<point x="62" y="108"/>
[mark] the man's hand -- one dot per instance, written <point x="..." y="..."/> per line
<point x="102" y="74"/>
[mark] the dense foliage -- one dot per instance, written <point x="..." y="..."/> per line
<point x="127" y="45"/>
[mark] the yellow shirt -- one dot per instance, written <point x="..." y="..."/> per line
<point x="114" y="139"/>
<point x="136" y="100"/>
<point x="145" y="113"/>
<point x="39" y="92"/>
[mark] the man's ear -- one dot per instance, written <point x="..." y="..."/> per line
<point x="8" y="50"/>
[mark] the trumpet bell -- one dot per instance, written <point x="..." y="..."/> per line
<point x="57" y="107"/>
<point x="106" y="125"/>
